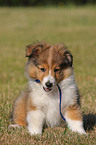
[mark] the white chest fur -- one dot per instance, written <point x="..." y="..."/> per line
<point x="48" y="102"/>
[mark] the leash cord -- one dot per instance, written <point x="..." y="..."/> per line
<point x="60" y="102"/>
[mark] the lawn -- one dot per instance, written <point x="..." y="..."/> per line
<point x="73" y="26"/>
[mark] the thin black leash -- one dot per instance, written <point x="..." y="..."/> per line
<point x="60" y="93"/>
<point x="60" y="102"/>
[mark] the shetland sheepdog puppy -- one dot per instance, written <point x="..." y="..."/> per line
<point x="47" y="66"/>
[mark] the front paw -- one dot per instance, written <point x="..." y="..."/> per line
<point x="34" y="130"/>
<point x="76" y="126"/>
<point x="79" y="130"/>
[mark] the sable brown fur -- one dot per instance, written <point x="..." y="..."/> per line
<point x="22" y="106"/>
<point x="19" y="112"/>
<point x="74" y="112"/>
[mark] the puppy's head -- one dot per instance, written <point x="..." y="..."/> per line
<point x="48" y="63"/>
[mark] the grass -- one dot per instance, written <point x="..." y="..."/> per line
<point x="74" y="26"/>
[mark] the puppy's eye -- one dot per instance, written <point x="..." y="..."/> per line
<point x="56" y="70"/>
<point x="43" y="69"/>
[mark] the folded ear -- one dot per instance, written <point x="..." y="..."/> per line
<point x="68" y="58"/>
<point x="33" y="50"/>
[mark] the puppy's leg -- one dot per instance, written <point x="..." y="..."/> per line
<point x="35" y="120"/>
<point x="74" y="119"/>
<point x="19" y="112"/>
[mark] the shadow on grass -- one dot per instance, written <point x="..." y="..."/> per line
<point x="89" y="121"/>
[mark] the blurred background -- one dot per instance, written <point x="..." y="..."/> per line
<point x="44" y="2"/>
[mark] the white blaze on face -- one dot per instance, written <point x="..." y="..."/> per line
<point x="48" y="78"/>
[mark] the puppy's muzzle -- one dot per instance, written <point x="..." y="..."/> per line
<point x="48" y="87"/>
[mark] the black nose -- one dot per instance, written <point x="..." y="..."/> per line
<point x="49" y="85"/>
